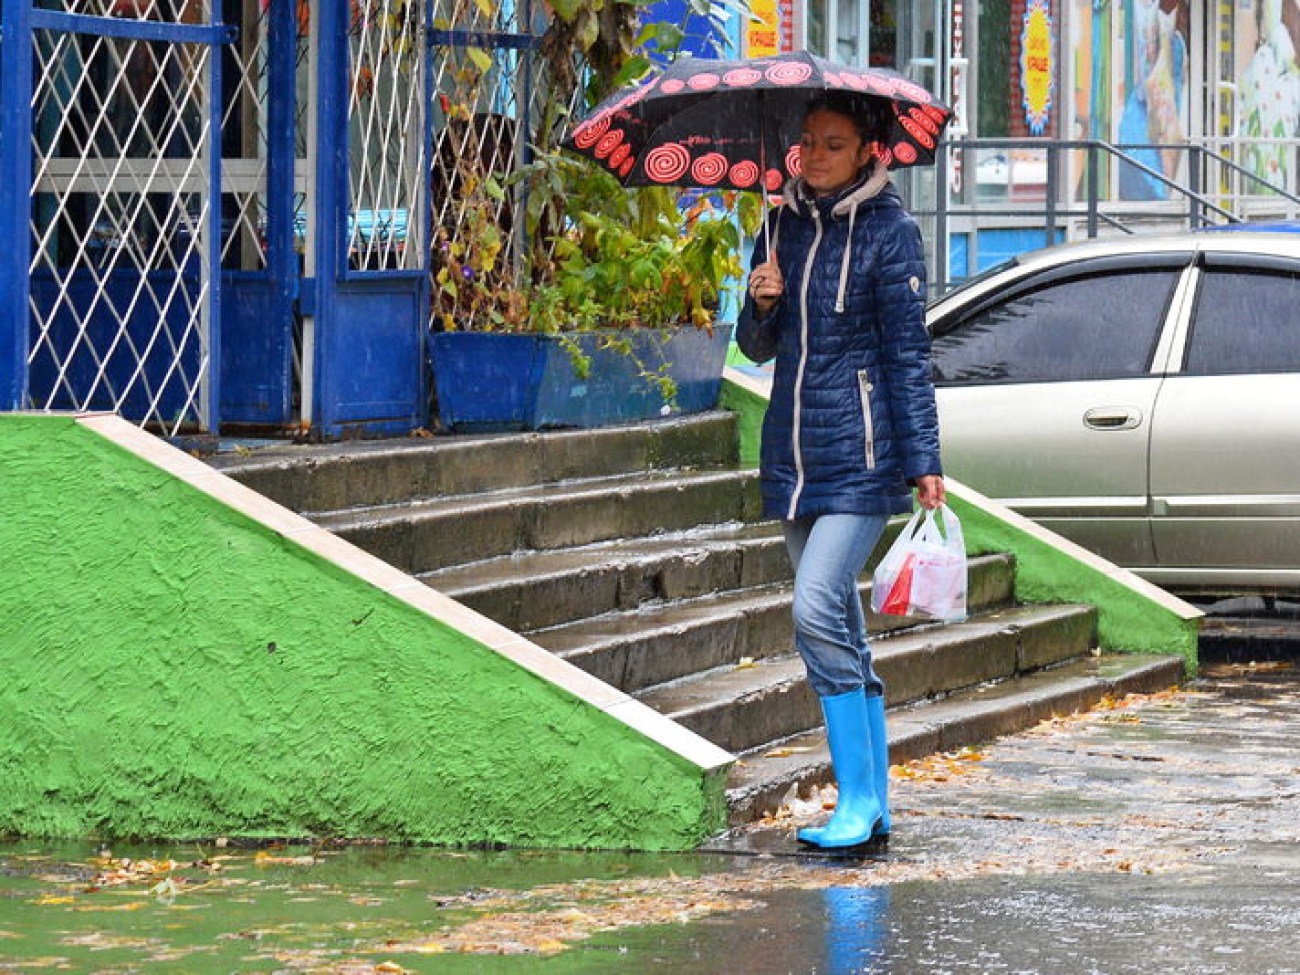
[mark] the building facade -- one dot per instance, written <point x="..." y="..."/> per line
<point x="232" y="210"/>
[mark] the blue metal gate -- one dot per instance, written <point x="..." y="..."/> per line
<point x="225" y="203"/>
<point x="365" y="296"/>
<point x="112" y="305"/>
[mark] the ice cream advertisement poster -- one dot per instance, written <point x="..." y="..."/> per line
<point x="1037" y="72"/>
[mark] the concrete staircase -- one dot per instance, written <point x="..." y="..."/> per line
<point x="637" y="554"/>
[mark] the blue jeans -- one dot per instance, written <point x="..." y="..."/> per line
<point x="830" y="628"/>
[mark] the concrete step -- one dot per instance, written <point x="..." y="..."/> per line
<point x="532" y="590"/>
<point x="436" y="533"/>
<point x="335" y="476"/>
<point x="638" y="554"/>
<point x="766" y="777"/>
<point x="662" y="642"/>
<point x="741" y="707"/>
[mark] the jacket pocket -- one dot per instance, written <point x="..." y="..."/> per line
<point x="868" y="428"/>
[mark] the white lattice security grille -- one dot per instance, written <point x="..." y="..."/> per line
<point x="490" y="98"/>
<point x="385" y="135"/>
<point x="244" y="145"/>
<point x="121" y="144"/>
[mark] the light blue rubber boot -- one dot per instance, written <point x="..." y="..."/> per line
<point x="879" y="759"/>
<point x="857" y="813"/>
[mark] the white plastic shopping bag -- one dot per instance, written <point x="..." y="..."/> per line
<point x="924" y="571"/>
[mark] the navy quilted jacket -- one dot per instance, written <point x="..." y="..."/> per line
<point x="852" y="419"/>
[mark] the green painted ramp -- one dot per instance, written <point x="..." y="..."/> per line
<point x="182" y="658"/>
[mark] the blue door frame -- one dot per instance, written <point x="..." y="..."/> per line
<point x="15" y="198"/>
<point x="368" y="328"/>
<point x="258" y="313"/>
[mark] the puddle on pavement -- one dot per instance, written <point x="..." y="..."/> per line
<point x="359" y="909"/>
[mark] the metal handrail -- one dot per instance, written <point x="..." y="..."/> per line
<point x="1094" y="208"/>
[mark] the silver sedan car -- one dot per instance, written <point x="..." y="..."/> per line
<point x="1139" y="396"/>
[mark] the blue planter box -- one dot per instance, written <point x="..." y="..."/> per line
<point x="488" y="381"/>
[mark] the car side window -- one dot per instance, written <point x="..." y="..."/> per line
<point x="1102" y="326"/>
<point x="1245" y="322"/>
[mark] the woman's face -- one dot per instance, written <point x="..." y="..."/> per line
<point x="832" y="152"/>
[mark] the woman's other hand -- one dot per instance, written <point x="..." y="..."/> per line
<point x="766" y="285"/>
<point x="930" y="491"/>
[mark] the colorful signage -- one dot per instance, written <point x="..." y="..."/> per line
<point x="1037" y="72"/>
<point x="763" y="35"/>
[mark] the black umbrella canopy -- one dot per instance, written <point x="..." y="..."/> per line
<point x="736" y="124"/>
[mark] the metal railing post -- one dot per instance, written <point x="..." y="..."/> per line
<point x="1094" y="177"/>
<point x="1053" y="176"/>
<point x="1194" y="216"/>
<point x="942" y="256"/>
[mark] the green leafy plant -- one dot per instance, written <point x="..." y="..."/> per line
<point x="558" y="245"/>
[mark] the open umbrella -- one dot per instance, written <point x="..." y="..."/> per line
<point x="736" y="124"/>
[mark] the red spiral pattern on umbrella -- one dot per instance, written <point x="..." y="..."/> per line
<point x="742" y="77"/>
<point x="589" y="132"/>
<point x="923" y="120"/>
<point x="884" y="154"/>
<point x="905" y="153"/>
<point x="877" y="84"/>
<point x="910" y="90"/>
<point x="709" y="168"/>
<point x="918" y="134"/>
<point x="672" y="86"/>
<point x="619" y="154"/>
<point x="773" y="181"/>
<point x="627" y="165"/>
<point x="744" y="174"/>
<point x="607" y="143"/>
<point x="668" y="162"/>
<point x="704" y="81"/>
<point x="794" y="161"/>
<point x="859" y="82"/>
<point x="938" y="115"/>
<point x="788" y="73"/>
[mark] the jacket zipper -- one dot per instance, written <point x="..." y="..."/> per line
<point x="797" y="419"/>
<point x="864" y="393"/>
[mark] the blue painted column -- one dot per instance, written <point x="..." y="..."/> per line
<point x="15" y="198"/>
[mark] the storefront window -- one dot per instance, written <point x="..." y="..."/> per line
<point x="993" y="63"/>
<point x="815" y="26"/>
<point x="1268" y="92"/>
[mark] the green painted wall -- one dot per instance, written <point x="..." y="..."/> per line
<point x="749" y="407"/>
<point x="171" y="669"/>
<point x="1129" y="619"/>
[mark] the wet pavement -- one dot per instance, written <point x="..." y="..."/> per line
<point x="1155" y="834"/>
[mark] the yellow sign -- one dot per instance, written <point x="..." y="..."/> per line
<point x="1036" y="68"/>
<point x="763" y="36"/>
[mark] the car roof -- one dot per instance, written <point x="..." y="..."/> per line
<point x="1265" y="242"/>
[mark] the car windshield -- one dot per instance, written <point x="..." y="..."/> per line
<point x="971" y="282"/>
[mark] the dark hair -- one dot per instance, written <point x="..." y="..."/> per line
<point x="869" y="116"/>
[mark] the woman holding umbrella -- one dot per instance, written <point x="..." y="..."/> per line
<point x="837" y="297"/>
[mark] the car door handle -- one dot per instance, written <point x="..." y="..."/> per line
<point x="1113" y="418"/>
